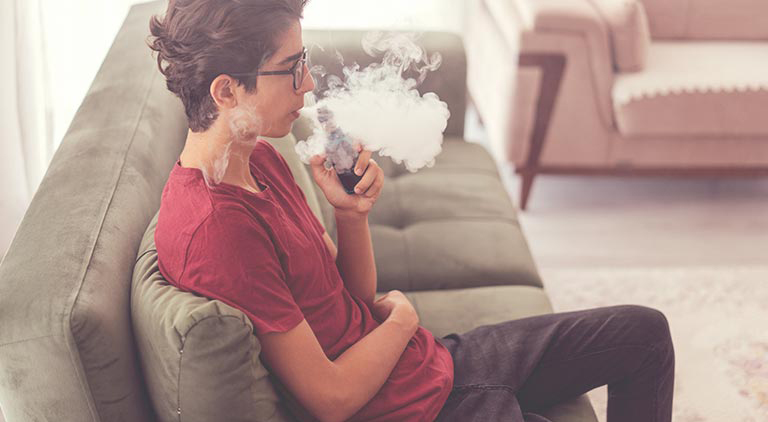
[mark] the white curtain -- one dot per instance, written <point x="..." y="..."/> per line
<point x="26" y="140"/>
<point x="71" y="39"/>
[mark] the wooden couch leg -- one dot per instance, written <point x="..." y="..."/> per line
<point x="525" y="189"/>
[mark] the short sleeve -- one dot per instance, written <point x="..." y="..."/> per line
<point x="232" y="258"/>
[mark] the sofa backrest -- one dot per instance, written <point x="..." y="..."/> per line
<point x="708" y="19"/>
<point x="66" y="343"/>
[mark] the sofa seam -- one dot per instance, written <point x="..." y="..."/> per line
<point x="27" y="339"/>
<point x="69" y="337"/>
<point x="138" y="258"/>
<point x="205" y="318"/>
<point x="178" y="376"/>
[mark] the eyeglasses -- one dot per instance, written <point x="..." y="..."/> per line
<point x="297" y="70"/>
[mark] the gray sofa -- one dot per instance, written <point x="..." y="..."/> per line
<point x="70" y="348"/>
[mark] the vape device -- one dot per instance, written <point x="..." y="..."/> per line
<point x="340" y="150"/>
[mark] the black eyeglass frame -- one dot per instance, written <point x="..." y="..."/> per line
<point x="292" y="71"/>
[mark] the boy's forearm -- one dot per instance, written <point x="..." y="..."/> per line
<point x="366" y="365"/>
<point x="355" y="260"/>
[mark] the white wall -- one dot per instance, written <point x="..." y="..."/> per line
<point x="444" y="15"/>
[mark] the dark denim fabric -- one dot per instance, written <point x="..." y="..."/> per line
<point x="506" y="371"/>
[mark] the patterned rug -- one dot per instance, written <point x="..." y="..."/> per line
<point x="719" y="323"/>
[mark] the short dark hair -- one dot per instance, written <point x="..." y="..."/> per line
<point x="198" y="40"/>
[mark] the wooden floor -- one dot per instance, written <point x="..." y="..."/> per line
<point x="589" y="221"/>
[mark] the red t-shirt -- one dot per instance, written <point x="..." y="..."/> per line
<point x="263" y="253"/>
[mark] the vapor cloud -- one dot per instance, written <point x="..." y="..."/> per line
<point x="379" y="108"/>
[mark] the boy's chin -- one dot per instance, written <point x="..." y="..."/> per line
<point x="279" y="133"/>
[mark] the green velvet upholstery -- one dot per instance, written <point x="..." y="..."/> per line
<point x="448" y="226"/>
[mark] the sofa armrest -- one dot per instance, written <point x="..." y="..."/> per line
<point x="577" y="16"/>
<point x="448" y="81"/>
<point x="573" y="28"/>
<point x="616" y="28"/>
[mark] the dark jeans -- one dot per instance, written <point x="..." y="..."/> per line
<point x="508" y="371"/>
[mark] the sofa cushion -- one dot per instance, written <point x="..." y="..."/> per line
<point x="199" y="357"/>
<point x="708" y="19"/>
<point x="630" y="34"/>
<point x="695" y="90"/>
<point x="466" y="234"/>
<point x="444" y="312"/>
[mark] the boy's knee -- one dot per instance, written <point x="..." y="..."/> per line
<point x="651" y="321"/>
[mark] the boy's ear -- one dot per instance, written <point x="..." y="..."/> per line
<point x="223" y="91"/>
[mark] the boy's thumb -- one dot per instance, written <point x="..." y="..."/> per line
<point x="317" y="160"/>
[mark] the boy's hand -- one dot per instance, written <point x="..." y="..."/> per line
<point x="396" y="305"/>
<point x="367" y="190"/>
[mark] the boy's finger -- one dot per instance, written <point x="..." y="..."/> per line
<point x="362" y="162"/>
<point x="317" y="159"/>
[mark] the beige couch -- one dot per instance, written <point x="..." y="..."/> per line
<point x="89" y="329"/>
<point x="648" y="87"/>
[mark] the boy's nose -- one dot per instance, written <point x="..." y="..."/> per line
<point x="309" y="82"/>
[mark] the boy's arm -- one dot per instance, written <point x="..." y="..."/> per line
<point x="336" y="390"/>
<point x="355" y="259"/>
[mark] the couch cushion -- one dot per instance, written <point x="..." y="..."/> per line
<point x="199" y="357"/>
<point x="695" y="89"/>
<point x="457" y="311"/>
<point x="444" y="312"/>
<point x="465" y="234"/>
<point x="708" y="19"/>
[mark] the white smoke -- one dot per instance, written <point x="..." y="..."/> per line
<point x="245" y="127"/>
<point x="379" y="108"/>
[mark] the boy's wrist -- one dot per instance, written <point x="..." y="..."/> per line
<point x="349" y="215"/>
<point x="408" y="321"/>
